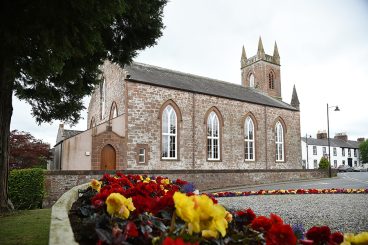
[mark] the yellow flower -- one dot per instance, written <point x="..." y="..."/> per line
<point x="96" y="185"/>
<point x="209" y="234"/>
<point x="359" y="239"/>
<point x="201" y="214"/>
<point x="119" y="206"/>
<point x="165" y="181"/>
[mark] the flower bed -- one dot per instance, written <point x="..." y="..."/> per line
<point x="286" y="192"/>
<point x="135" y="209"/>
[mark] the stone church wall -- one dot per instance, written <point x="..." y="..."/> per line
<point x="144" y="127"/>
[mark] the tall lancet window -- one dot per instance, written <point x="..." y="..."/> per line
<point x="251" y="80"/>
<point x="271" y="83"/>
<point x="279" y="141"/>
<point x="103" y="98"/>
<point x="169" y="133"/>
<point x="213" y="137"/>
<point x="249" y="139"/>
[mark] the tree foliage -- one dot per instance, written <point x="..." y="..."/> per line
<point x="26" y="151"/>
<point x="324" y="163"/>
<point x="50" y="52"/>
<point x="363" y="148"/>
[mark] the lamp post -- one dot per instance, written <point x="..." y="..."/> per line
<point x="328" y="138"/>
<point x="306" y="143"/>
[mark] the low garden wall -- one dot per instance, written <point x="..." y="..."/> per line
<point x="58" y="182"/>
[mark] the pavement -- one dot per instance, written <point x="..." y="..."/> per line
<point x="341" y="212"/>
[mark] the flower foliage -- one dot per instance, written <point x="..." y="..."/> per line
<point x="136" y="209"/>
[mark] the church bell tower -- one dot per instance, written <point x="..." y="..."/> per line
<point x="262" y="71"/>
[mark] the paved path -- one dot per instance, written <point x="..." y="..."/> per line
<point x="341" y="212"/>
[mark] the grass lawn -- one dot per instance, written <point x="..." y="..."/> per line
<point x="25" y="227"/>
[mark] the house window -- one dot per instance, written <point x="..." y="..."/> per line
<point x="355" y="163"/>
<point x="249" y="139"/>
<point x="324" y="150"/>
<point x="279" y="140"/>
<point x="251" y="81"/>
<point x="343" y="152"/>
<point x="142" y="155"/>
<point x="314" y="150"/>
<point x="334" y="151"/>
<point x="335" y="163"/>
<point x="355" y="152"/>
<point x="213" y="137"/>
<point x="315" y="162"/>
<point x="349" y="152"/>
<point x="343" y="162"/>
<point x="271" y="84"/>
<point x="169" y="133"/>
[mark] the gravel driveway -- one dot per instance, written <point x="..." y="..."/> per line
<point x="341" y="212"/>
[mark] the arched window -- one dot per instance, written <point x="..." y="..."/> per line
<point x="271" y="83"/>
<point x="113" y="110"/>
<point x="169" y="133"/>
<point x="103" y="98"/>
<point x="251" y="80"/>
<point x="249" y="139"/>
<point x="279" y="142"/>
<point x="213" y="137"/>
<point x="92" y="124"/>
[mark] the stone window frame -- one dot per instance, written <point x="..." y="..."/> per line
<point x="92" y="125"/>
<point x="254" y="79"/>
<point x="355" y="153"/>
<point x="343" y="152"/>
<point x="271" y="79"/>
<point x="255" y="129"/>
<point x="103" y="98"/>
<point x="113" y="109"/>
<point x="334" y="151"/>
<point x="314" y="150"/>
<point x="146" y="154"/>
<point x="349" y="152"/>
<point x="178" y="127"/>
<point x="284" y="128"/>
<point x="221" y="126"/>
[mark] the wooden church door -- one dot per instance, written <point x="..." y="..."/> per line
<point x="108" y="158"/>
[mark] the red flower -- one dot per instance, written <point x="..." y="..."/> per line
<point x="276" y="220"/>
<point x="245" y="217"/>
<point x="131" y="229"/>
<point x="337" y="237"/>
<point x="319" y="234"/>
<point x="280" y="234"/>
<point x="261" y="223"/>
<point x="177" y="241"/>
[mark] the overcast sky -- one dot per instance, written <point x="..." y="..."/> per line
<point x="323" y="47"/>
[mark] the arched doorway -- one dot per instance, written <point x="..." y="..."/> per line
<point x="108" y="158"/>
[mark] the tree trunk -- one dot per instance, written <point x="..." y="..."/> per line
<point x="6" y="110"/>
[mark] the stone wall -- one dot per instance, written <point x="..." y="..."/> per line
<point x="58" y="182"/>
<point x="145" y="102"/>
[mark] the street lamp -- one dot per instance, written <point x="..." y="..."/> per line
<point x="328" y="138"/>
<point x="306" y="143"/>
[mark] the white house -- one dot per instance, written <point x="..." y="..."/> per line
<point x="343" y="151"/>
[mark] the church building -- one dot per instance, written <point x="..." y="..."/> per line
<point x="147" y="117"/>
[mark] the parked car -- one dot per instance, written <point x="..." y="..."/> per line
<point x="345" y="168"/>
<point x="359" y="169"/>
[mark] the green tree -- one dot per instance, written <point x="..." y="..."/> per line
<point x="50" y="52"/>
<point x="323" y="163"/>
<point x="363" y="148"/>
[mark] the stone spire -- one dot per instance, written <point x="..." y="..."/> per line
<point x="276" y="56"/>
<point x="260" y="52"/>
<point x="294" y="99"/>
<point x="243" y="58"/>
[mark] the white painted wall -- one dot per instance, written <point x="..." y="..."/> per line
<point x="339" y="158"/>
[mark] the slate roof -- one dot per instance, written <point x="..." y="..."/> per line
<point x="70" y="133"/>
<point x="333" y="142"/>
<point x="188" y="82"/>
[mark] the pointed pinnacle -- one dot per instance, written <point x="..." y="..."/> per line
<point x="260" y="46"/>
<point x="294" y="99"/>
<point x="276" y="51"/>
<point x="244" y="55"/>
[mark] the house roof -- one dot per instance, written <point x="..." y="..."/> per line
<point x="188" y="82"/>
<point x="333" y="142"/>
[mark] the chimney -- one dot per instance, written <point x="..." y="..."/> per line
<point x="341" y="136"/>
<point x="360" y="140"/>
<point x="321" y="135"/>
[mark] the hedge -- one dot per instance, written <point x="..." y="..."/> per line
<point x="26" y="188"/>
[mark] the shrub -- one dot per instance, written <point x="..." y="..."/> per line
<point x="26" y="188"/>
<point x="323" y="163"/>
